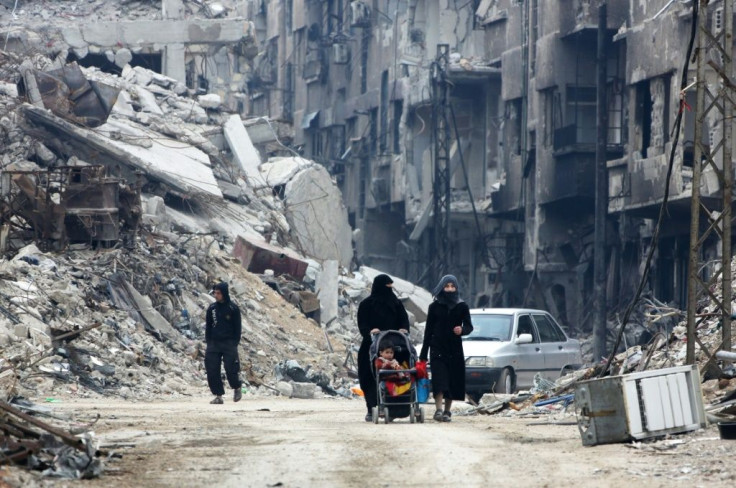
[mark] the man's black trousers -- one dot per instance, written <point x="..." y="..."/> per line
<point x="218" y="352"/>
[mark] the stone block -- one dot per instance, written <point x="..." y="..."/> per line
<point x="303" y="390"/>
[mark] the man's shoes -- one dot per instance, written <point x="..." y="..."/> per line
<point x="447" y="416"/>
<point x="237" y="394"/>
<point x="438" y="416"/>
<point x="217" y="401"/>
<point x="369" y="417"/>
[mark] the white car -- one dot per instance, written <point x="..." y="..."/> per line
<point x="508" y="346"/>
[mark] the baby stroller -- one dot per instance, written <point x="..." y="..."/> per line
<point x="396" y="402"/>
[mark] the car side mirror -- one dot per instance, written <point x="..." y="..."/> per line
<point x="524" y="339"/>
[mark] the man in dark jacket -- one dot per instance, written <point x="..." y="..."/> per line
<point x="222" y="334"/>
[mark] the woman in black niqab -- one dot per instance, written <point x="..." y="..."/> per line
<point x="382" y="310"/>
<point x="448" y="319"/>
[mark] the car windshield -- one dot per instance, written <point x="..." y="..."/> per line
<point x="488" y="327"/>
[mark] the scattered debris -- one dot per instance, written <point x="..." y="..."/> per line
<point x="26" y="440"/>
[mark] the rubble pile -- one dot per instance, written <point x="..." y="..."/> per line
<point x="56" y="452"/>
<point x="147" y="312"/>
<point x="119" y="308"/>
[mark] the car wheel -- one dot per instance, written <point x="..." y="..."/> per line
<point x="505" y="383"/>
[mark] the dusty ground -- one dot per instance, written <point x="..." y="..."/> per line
<point x="264" y="442"/>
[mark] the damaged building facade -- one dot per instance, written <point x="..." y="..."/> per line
<point x="356" y="79"/>
<point x="352" y="85"/>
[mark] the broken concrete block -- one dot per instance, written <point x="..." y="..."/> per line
<point x="123" y="56"/>
<point x="9" y="89"/>
<point x="244" y="152"/>
<point x="110" y="55"/>
<point x="309" y="197"/>
<point x="285" y="388"/>
<point x="303" y="390"/>
<point x="81" y="52"/>
<point x="210" y="100"/>
<point x="21" y="331"/>
<point x="147" y="101"/>
<point x="143" y="76"/>
<point x="123" y="105"/>
<point x="279" y="171"/>
<point x="44" y="153"/>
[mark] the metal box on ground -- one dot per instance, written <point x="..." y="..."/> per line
<point x="639" y="405"/>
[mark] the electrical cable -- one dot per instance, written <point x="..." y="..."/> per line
<point x="663" y="206"/>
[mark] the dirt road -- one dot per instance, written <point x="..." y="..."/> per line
<point x="264" y="442"/>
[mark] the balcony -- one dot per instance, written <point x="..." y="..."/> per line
<point x="573" y="179"/>
<point x="574" y="138"/>
<point x="580" y="15"/>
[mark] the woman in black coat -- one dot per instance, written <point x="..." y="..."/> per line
<point x="382" y="310"/>
<point x="448" y="319"/>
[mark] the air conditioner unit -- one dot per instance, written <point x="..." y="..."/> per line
<point x="340" y="53"/>
<point x="639" y="405"/>
<point x="360" y="14"/>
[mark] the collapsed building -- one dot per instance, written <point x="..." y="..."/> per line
<point x="357" y="81"/>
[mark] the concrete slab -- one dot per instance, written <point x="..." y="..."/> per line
<point x="177" y="164"/>
<point x="149" y="32"/>
<point x="309" y="197"/>
<point x="244" y="152"/>
<point x="278" y="171"/>
<point x="147" y="100"/>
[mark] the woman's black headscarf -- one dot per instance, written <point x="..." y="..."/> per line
<point x="379" y="288"/>
<point x="449" y="299"/>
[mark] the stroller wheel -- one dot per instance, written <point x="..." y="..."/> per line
<point x="412" y="415"/>
<point x="374" y="412"/>
<point x="386" y="415"/>
<point x="420" y="416"/>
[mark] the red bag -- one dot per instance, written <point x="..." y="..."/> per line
<point x="421" y="367"/>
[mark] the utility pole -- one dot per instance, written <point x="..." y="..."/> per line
<point x="714" y="104"/>
<point x="441" y="185"/>
<point x="600" y="323"/>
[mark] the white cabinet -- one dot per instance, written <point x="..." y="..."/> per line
<point x="639" y="405"/>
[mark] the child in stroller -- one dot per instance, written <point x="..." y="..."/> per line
<point x="393" y="359"/>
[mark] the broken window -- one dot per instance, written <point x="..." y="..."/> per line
<point x="581" y="113"/>
<point x="373" y="143"/>
<point x="534" y="34"/>
<point x="552" y="114"/>
<point x="398" y="112"/>
<point x="688" y="141"/>
<point x="383" y="146"/>
<point x="363" y="182"/>
<point x="316" y="144"/>
<point x="643" y="115"/>
<point x="365" y="46"/>
<point x="513" y="117"/>
<point x="617" y="97"/>
<point x="288" y="14"/>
